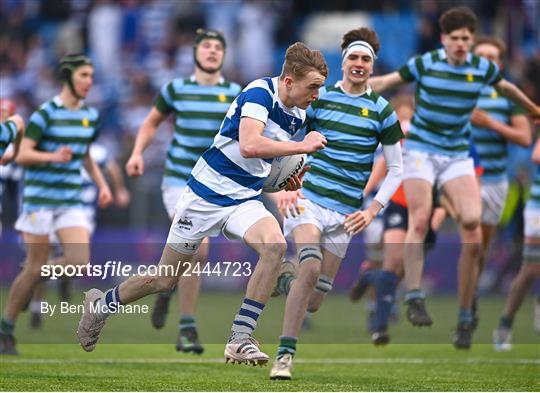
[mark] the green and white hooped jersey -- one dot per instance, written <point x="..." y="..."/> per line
<point x="353" y="126"/>
<point x="445" y="97"/>
<point x="58" y="185"/>
<point x="198" y="113"/>
<point x="490" y="146"/>
<point x="8" y="132"/>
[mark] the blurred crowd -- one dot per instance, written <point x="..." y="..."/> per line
<point x="138" y="45"/>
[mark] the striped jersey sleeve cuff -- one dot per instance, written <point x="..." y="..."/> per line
<point x="392" y="134"/>
<point x="33" y="131"/>
<point x="406" y="74"/>
<point x="255" y="111"/>
<point x="161" y="105"/>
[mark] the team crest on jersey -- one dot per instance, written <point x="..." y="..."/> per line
<point x="364" y="112"/>
<point x="494" y="94"/>
<point x="292" y="127"/>
<point x="470" y="77"/>
<point x="222" y="98"/>
<point x="85" y="122"/>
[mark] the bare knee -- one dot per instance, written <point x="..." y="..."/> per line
<point x="274" y="247"/>
<point x="469" y="222"/>
<point x="32" y="270"/>
<point x="162" y="283"/>
<point x="420" y="224"/>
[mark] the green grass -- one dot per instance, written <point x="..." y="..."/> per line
<point x="334" y="356"/>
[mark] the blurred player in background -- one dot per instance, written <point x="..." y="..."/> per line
<point x="11" y="131"/>
<point x="222" y="196"/>
<point x="395" y="223"/>
<point x="199" y="104"/>
<point x="54" y="149"/>
<point x="436" y="152"/>
<point x="530" y="267"/>
<point x="327" y="212"/>
<point x="89" y="198"/>
<point x="496" y="121"/>
<point x="11" y="135"/>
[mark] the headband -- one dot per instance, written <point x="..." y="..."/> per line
<point x="358" y="46"/>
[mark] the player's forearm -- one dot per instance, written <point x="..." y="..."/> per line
<point x="29" y="156"/>
<point x="517" y="135"/>
<point x="145" y="136"/>
<point x="394" y="176"/>
<point x="384" y="82"/>
<point x="94" y="172"/>
<point x="117" y="181"/>
<point x="17" y="144"/>
<point x="512" y="92"/>
<point x="262" y="147"/>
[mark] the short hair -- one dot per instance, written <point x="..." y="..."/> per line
<point x="300" y="60"/>
<point x="361" y="34"/>
<point x="496" y="42"/>
<point x="457" y="18"/>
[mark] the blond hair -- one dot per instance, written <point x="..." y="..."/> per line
<point x="300" y="60"/>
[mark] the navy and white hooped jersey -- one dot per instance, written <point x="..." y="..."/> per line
<point x="354" y="125"/>
<point x="445" y="98"/>
<point x="8" y="132"/>
<point x="58" y="185"/>
<point x="198" y="113"/>
<point x="222" y="176"/>
<point x="491" y="146"/>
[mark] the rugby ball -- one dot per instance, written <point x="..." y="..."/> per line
<point x="283" y="168"/>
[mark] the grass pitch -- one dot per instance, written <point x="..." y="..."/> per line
<point x="334" y="356"/>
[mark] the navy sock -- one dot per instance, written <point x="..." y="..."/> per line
<point x="385" y="286"/>
<point x="506" y="322"/>
<point x="369" y="277"/>
<point x="246" y="319"/>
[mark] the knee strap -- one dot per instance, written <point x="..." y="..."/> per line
<point x="324" y="284"/>
<point x="309" y="252"/>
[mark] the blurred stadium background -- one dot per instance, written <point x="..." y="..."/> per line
<point x="137" y="46"/>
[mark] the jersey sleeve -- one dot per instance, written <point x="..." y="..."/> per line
<point x="97" y="127"/>
<point x="412" y="69"/>
<point x="493" y="74"/>
<point x="164" y="100"/>
<point x="8" y="132"/>
<point x="391" y="131"/>
<point x="256" y="104"/>
<point x="37" y="125"/>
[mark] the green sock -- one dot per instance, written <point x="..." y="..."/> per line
<point x="187" y="321"/>
<point x="284" y="283"/>
<point x="286" y="345"/>
<point x="7" y="326"/>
